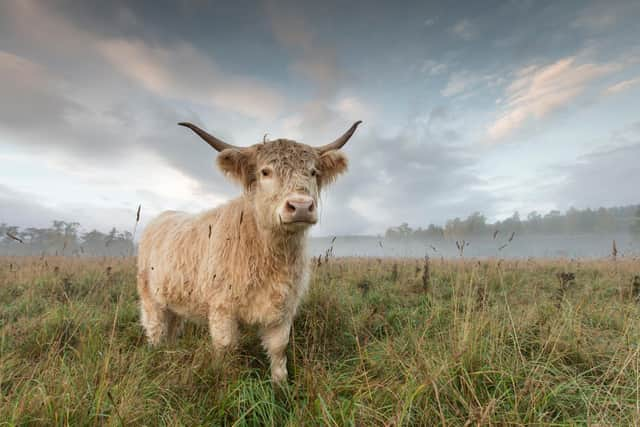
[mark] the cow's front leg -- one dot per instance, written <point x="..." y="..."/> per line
<point x="223" y="328"/>
<point x="275" y="339"/>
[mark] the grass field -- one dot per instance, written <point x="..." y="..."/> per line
<point x="377" y="342"/>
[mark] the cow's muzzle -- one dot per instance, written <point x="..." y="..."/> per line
<point x="299" y="208"/>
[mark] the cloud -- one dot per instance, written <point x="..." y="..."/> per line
<point x="313" y="59"/>
<point x="415" y="176"/>
<point x="596" y="21"/>
<point x="79" y="131"/>
<point x="19" y="209"/>
<point x="604" y="178"/>
<point x="45" y="112"/>
<point x="99" y="90"/>
<point x="38" y="24"/>
<point x="603" y="16"/>
<point x="352" y="108"/>
<point x="464" y="29"/>
<point x="537" y="91"/>
<point x="458" y="82"/>
<point x="622" y="86"/>
<point x="330" y="105"/>
<point x="24" y="209"/>
<point x="67" y="98"/>
<point x="463" y="82"/>
<point x="176" y="70"/>
<point x="35" y="95"/>
<point x="182" y="73"/>
<point x="433" y="68"/>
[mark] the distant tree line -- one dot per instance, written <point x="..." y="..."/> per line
<point x="573" y="221"/>
<point x="64" y="238"/>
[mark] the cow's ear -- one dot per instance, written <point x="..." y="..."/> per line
<point x="238" y="164"/>
<point x="332" y="164"/>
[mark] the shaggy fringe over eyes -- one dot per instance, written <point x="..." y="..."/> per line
<point x="239" y="165"/>
<point x="332" y="164"/>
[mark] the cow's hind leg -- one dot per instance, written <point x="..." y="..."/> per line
<point x="275" y="339"/>
<point x="153" y="316"/>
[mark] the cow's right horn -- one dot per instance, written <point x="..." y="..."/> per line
<point x="216" y="143"/>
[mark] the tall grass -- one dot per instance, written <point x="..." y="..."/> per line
<point x="485" y="342"/>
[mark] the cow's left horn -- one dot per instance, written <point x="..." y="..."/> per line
<point x="338" y="143"/>
<point x="216" y="143"/>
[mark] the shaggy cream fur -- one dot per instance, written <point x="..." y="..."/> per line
<point x="238" y="263"/>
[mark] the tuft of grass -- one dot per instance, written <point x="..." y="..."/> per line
<point x="376" y="342"/>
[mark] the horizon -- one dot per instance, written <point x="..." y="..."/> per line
<point x="576" y="233"/>
<point x="512" y="106"/>
<point x="524" y="217"/>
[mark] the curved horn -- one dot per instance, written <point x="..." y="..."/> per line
<point x="338" y="143"/>
<point x="216" y="143"/>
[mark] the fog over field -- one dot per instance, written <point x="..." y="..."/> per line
<point x="576" y="233"/>
<point x="549" y="246"/>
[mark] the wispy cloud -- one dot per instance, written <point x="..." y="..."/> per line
<point x="622" y="86"/>
<point x="313" y="59"/>
<point x="35" y="95"/>
<point x="602" y="16"/>
<point x="352" y="108"/>
<point x="462" y="82"/>
<point x="537" y="91"/>
<point x="464" y="29"/>
<point x="608" y="177"/>
<point x="433" y="68"/>
<point x="458" y="82"/>
<point x="182" y="73"/>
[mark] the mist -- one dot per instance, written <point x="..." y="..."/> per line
<point x="586" y="233"/>
<point x="524" y="246"/>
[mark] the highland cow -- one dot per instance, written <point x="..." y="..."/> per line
<point x="243" y="262"/>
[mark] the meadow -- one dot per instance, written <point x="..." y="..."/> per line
<point x="377" y="342"/>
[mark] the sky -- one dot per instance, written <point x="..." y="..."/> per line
<point x="493" y="106"/>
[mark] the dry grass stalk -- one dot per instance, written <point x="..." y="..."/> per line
<point x="481" y="297"/>
<point x="394" y="272"/>
<point x="635" y="288"/>
<point x="135" y="228"/>
<point x="566" y="279"/>
<point x="329" y="252"/>
<point x="364" y="286"/>
<point x="461" y="244"/>
<point x="426" y="275"/>
<point x="14" y="237"/>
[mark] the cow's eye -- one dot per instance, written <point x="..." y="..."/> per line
<point x="265" y="172"/>
<point x="313" y="172"/>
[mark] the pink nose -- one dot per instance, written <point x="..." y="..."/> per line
<point x="299" y="209"/>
